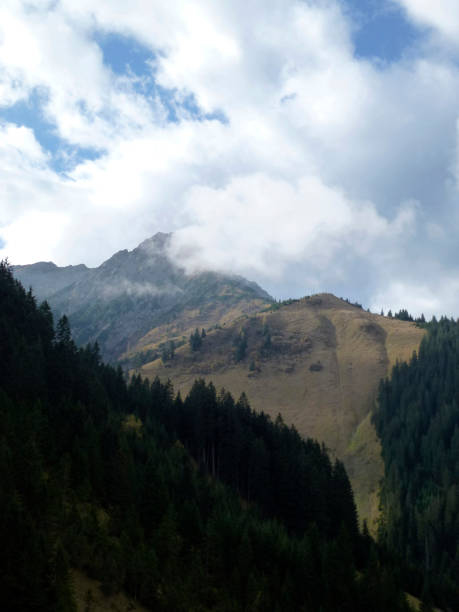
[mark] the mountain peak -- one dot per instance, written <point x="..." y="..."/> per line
<point x="158" y="242"/>
<point x="39" y="266"/>
<point x="135" y="291"/>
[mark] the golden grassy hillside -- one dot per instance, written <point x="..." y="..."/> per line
<point x="229" y="305"/>
<point x="320" y="369"/>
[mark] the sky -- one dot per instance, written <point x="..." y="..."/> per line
<point x="310" y="145"/>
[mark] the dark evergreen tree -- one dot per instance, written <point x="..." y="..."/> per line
<point x="63" y="334"/>
<point x="195" y="340"/>
<point x="240" y="346"/>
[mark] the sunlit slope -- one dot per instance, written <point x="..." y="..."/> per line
<point x="318" y="361"/>
<point x="227" y="304"/>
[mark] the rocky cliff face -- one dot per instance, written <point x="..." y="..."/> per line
<point x="133" y="292"/>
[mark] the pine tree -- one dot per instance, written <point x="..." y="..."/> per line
<point x="195" y="340"/>
<point x="63" y="333"/>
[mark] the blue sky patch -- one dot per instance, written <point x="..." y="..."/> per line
<point x="29" y="113"/>
<point x="124" y="54"/>
<point x="126" y="57"/>
<point x="382" y="31"/>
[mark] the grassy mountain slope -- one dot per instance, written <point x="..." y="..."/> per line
<point x="229" y="302"/>
<point x="318" y="361"/>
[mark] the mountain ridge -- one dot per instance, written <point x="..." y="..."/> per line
<point x="131" y="293"/>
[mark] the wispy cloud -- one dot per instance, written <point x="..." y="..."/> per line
<point x="136" y="289"/>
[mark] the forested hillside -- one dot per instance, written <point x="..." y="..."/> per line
<point x="418" y="422"/>
<point x="162" y="497"/>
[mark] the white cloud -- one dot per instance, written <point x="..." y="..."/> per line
<point x="309" y="177"/>
<point x="19" y="146"/>
<point x="43" y="48"/>
<point x="33" y="233"/>
<point x="442" y="15"/>
<point x="135" y="289"/>
<point x="24" y="176"/>
<point x="434" y="298"/>
<point x="257" y="225"/>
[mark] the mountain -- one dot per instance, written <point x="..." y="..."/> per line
<point x="184" y="505"/>
<point x="47" y="279"/>
<point x="135" y="291"/>
<point x="318" y="361"/>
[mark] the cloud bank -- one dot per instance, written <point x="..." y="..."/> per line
<point x="253" y="131"/>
